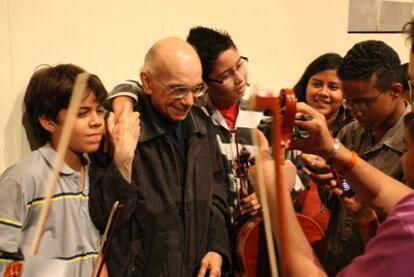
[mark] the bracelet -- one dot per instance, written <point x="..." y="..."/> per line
<point x="350" y="164"/>
<point x="334" y="149"/>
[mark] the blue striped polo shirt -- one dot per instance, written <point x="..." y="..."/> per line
<point x="69" y="233"/>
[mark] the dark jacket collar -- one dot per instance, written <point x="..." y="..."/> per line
<point x="154" y="125"/>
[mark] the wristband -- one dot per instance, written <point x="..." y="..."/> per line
<point x="350" y="164"/>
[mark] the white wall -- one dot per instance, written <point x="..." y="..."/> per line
<point x="110" y="38"/>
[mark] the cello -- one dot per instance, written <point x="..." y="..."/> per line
<point x="255" y="257"/>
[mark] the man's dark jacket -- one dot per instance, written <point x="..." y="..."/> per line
<point x="166" y="227"/>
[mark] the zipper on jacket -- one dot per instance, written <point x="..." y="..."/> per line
<point x="180" y="189"/>
<point x="181" y="202"/>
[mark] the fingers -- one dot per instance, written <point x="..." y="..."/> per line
<point x="306" y="171"/>
<point x="127" y="113"/>
<point x="306" y="157"/>
<point x="263" y="143"/>
<point x="126" y="108"/>
<point x="312" y="160"/>
<point x="251" y="210"/>
<point x="319" y="140"/>
<point x="335" y="188"/>
<point x="351" y="201"/>
<point x="125" y="134"/>
<point x="356" y="206"/>
<point x="304" y="108"/>
<point x="135" y="116"/>
<point x="118" y="105"/>
<point x="212" y="261"/>
<point x="317" y="177"/>
<point x="315" y="163"/>
<point x="338" y="192"/>
<point x="243" y="190"/>
<point x="215" y="272"/>
<point x="128" y="124"/>
<point x="215" y="264"/>
<point x="203" y="268"/>
<point x="110" y="123"/>
<point x="289" y="173"/>
<point x="267" y="169"/>
<point x="249" y="198"/>
<point x="255" y="212"/>
<point x="108" y="145"/>
<point x="250" y="204"/>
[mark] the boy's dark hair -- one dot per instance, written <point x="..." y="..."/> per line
<point x="209" y="44"/>
<point x="409" y="29"/>
<point x="49" y="91"/>
<point x="368" y="58"/>
<point x="325" y="62"/>
<point x="409" y="124"/>
<point x="405" y="77"/>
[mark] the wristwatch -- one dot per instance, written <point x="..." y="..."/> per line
<point x="334" y="149"/>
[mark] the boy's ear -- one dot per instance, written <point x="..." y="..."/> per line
<point x="396" y="89"/>
<point x="146" y="82"/>
<point x="47" y="123"/>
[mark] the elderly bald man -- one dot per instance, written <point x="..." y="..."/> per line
<point x="166" y="169"/>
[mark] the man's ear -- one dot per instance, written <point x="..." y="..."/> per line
<point x="146" y="82"/>
<point x="397" y="89"/>
<point x="47" y="123"/>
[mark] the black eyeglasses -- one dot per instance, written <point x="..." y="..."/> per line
<point x="362" y="103"/>
<point x="226" y="76"/>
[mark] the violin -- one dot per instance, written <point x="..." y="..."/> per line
<point x="14" y="269"/>
<point x="242" y="164"/>
<point x="107" y="236"/>
<point x="255" y="257"/>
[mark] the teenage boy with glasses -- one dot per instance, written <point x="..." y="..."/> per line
<point x="226" y="103"/>
<point x="224" y="70"/>
<point x="228" y="74"/>
<point x="371" y="76"/>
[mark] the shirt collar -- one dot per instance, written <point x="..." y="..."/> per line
<point x="393" y="137"/>
<point x="50" y="155"/>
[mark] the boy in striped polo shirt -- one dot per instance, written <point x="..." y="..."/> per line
<point x="69" y="232"/>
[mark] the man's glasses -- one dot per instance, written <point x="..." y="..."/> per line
<point x="180" y="91"/>
<point x="362" y="103"/>
<point x="226" y="76"/>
